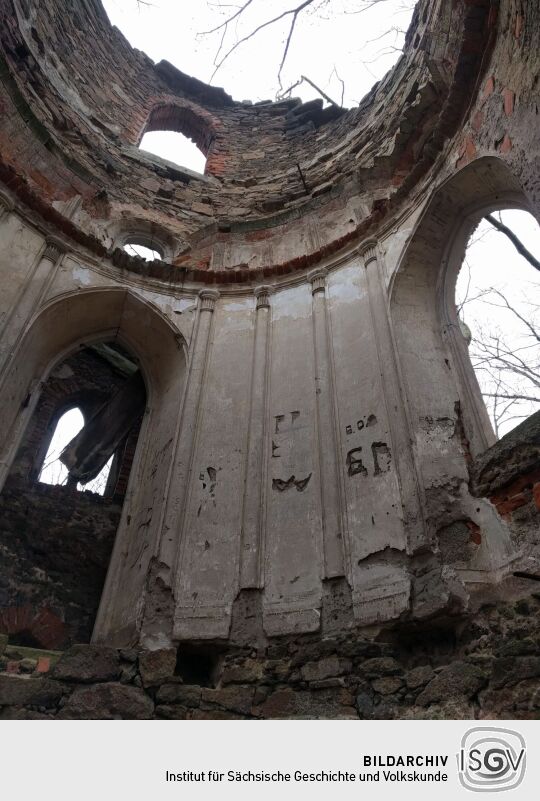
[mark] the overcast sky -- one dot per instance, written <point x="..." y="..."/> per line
<point x="332" y="35"/>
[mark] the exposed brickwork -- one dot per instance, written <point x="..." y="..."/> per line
<point x="253" y="150"/>
<point x="509" y="475"/>
<point x="517" y="494"/>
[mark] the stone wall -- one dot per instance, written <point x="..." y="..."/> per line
<point x="56" y="545"/>
<point x="487" y="668"/>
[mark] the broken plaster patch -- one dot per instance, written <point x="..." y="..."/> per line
<point x="82" y="276"/>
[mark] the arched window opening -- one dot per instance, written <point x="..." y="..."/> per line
<point x="498" y="302"/>
<point x="148" y="252"/>
<point x="175" y="147"/>
<point x="178" y="134"/>
<point x="54" y="471"/>
<point x="82" y="435"/>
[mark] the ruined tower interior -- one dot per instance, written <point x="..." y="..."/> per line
<point x="304" y="511"/>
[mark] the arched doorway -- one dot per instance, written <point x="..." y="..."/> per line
<point x="128" y="338"/>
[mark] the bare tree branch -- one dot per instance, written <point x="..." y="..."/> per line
<point x="301" y="80"/>
<point x="227" y="22"/>
<point x="320" y="91"/>
<point x="515" y="240"/>
<point x="530" y="326"/>
<point x="511" y="397"/>
<point x="291" y="11"/>
<point x="294" y="13"/>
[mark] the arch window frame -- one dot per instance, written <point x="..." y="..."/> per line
<point x="146" y="234"/>
<point x="429" y="264"/>
<point x="190" y="121"/>
<point x="58" y="416"/>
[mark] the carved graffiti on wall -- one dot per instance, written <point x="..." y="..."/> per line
<point x="360" y="458"/>
<point x="283" y="423"/>
<point x="300" y="484"/>
<point x="208" y="482"/>
<point x="354" y="463"/>
<point x="287" y="430"/>
<point x="371" y="420"/>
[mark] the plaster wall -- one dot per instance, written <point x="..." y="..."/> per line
<point x="324" y="366"/>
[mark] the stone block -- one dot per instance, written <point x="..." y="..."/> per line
<point x="202" y="208"/>
<point x="107" y="701"/>
<point x="364" y="705"/>
<point x="251" y="670"/>
<point x="437" y="591"/>
<point x="20" y="691"/>
<point x="129" y="655"/>
<point x="326" y="684"/>
<point x="214" y="714"/>
<point x="88" y="663"/>
<point x="183" y="694"/>
<point x="518" y="701"/>
<point x="458" y="680"/>
<point x="521" y="646"/>
<point x="325" y="668"/>
<point x="379" y="666"/>
<point x="234" y="698"/>
<point x="171" y="712"/>
<point x="387" y="685"/>
<point x="509" y="670"/>
<point x="304" y="704"/>
<point x="156" y="667"/>
<point x="419" y="676"/>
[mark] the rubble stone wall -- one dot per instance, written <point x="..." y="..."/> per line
<point x="487" y="668"/>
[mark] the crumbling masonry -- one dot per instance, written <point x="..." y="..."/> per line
<point x="307" y="514"/>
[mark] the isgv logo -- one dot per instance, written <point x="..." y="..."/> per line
<point x="491" y="759"/>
